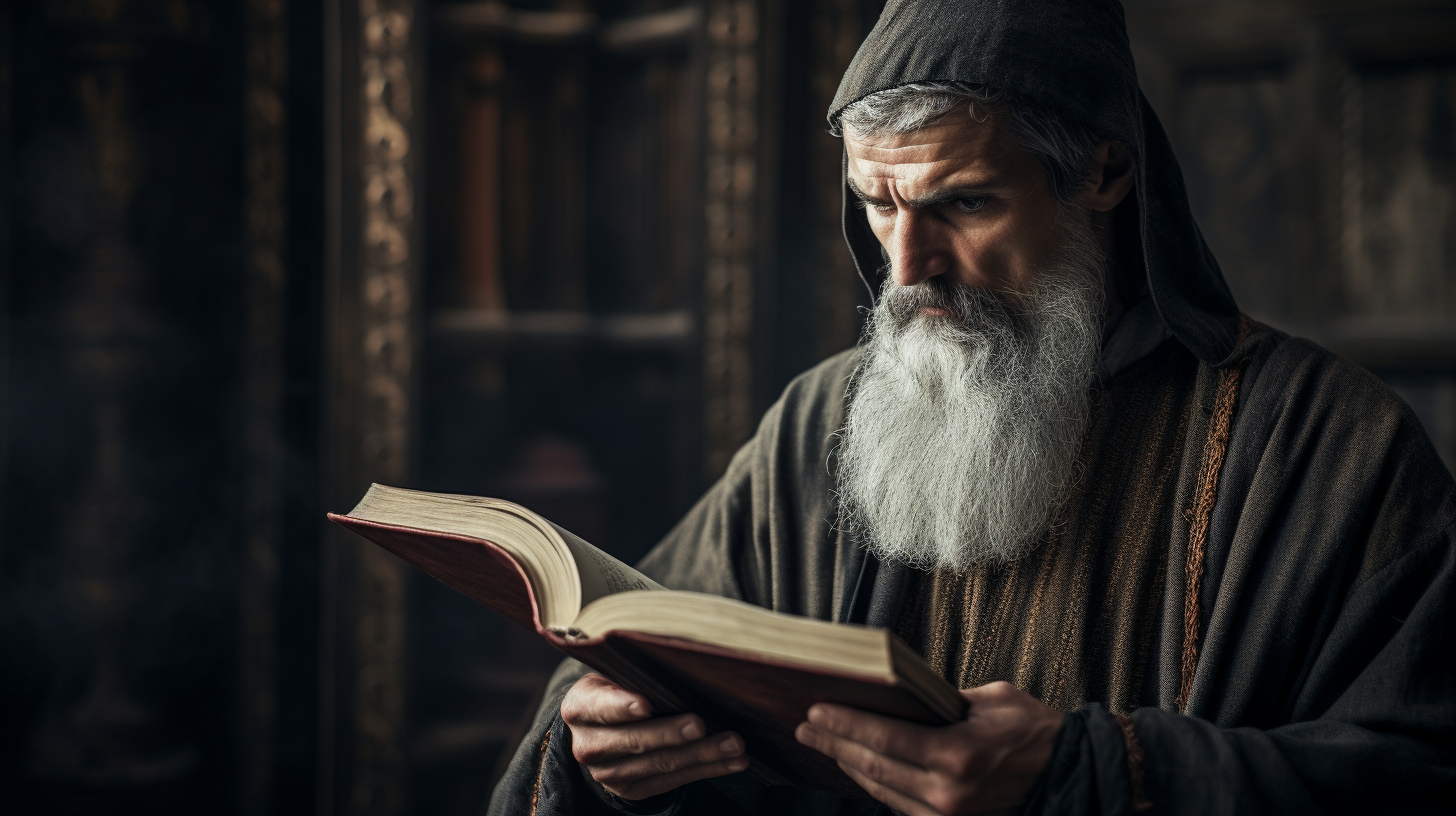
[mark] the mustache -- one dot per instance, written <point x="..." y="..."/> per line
<point x="969" y="309"/>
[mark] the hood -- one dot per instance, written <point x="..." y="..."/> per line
<point x="1071" y="56"/>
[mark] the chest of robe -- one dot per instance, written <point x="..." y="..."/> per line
<point x="1075" y="620"/>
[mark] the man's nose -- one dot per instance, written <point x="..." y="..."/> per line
<point x="915" y="254"/>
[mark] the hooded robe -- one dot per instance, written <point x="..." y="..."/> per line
<point x="1246" y="605"/>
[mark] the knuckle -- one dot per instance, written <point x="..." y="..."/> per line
<point x="584" y="748"/>
<point x="879" y="742"/>
<point x="604" y="775"/>
<point x="960" y="764"/>
<point x="571" y="708"/>
<point x="944" y="802"/>
<point x="661" y="762"/>
<point x="1001" y="689"/>
<point x="632" y="742"/>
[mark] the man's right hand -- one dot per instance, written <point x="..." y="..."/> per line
<point x="636" y="756"/>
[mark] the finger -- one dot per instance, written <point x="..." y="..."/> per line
<point x="662" y="783"/>
<point x="883" y="770"/>
<point x="889" y="736"/>
<point x="629" y="769"/>
<point x="908" y="805"/>
<point x="998" y="692"/>
<point x="595" y="699"/>
<point x="592" y="744"/>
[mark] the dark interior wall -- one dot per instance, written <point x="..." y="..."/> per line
<point x="127" y="268"/>
<point x="125" y="255"/>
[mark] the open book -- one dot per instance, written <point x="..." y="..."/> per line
<point x="739" y="666"/>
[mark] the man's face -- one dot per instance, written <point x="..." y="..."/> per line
<point x="957" y="199"/>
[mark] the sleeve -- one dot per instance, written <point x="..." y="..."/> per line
<point x="1382" y="741"/>
<point x="544" y="778"/>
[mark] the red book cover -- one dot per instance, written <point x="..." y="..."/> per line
<point x="762" y="700"/>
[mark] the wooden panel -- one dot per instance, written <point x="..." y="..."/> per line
<point x="1401" y="193"/>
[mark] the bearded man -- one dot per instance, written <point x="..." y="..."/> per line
<point x="1177" y="560"/>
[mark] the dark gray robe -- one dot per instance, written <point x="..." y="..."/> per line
<point x="1325" y="679"/>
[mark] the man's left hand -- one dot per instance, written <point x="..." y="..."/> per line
<point x="988" y="761"/>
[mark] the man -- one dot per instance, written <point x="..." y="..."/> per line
<point x="1176" y="559"/>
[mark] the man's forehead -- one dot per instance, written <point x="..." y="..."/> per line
<point x="956" y="149"/>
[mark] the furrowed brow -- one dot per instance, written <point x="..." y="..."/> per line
<point x="949" y="194"/>
<point x="936" y="197"/>
<point x="865" y="197"/>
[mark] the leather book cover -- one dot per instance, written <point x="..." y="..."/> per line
<point x="762" y="700"/>
<point x="478" y="568"/>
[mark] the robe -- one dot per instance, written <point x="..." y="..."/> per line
<point x="1323" y="680"/>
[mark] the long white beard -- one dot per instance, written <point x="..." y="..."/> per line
<point x="962" y="431"/>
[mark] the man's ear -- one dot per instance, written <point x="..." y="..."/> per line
<point x="1110" y="178"/>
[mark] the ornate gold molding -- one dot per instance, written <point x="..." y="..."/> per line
<point x="730" y="195"/>
<point x="387" y="273"/>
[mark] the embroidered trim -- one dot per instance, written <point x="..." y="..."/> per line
<point x="1214" y="450"/>
<point x="1140" y="803"/>
<point x="540" y="770"/>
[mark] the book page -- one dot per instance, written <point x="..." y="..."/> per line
<point x="601" y="574"/>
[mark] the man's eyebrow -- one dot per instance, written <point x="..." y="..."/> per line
<point x="941" y="196"/>
<point x="862" y="195"/>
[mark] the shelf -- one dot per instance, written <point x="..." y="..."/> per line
<point x="643" y="32"/>
<point x="655" y="330"/>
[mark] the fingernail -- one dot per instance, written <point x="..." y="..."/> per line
<point x="692" y="730"/>
<point x="739" y="764"/>
<point x="730" y="746"/>
<point x="634" y="707"/>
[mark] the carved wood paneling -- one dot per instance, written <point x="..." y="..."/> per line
<point x="374" y="268"/>
<point x="731" y="189"/>
<point x="387" y="280"/>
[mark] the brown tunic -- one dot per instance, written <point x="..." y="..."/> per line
<point x="1075" y="620"/>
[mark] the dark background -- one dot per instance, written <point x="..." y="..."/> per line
<point x="259" y="253"/>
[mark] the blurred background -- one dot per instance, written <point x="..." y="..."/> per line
<point x="259" y="253"/>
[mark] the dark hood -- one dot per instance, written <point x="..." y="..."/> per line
<point x="1071" y="56"/>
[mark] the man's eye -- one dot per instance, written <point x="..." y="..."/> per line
<point x="970" y="204"/>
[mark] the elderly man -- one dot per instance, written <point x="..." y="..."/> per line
<point x="1174" y="558"/>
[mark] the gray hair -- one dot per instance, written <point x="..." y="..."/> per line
<point x="1064" y="147"/>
